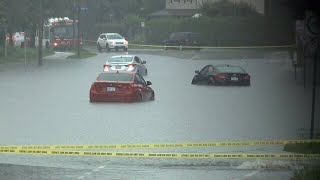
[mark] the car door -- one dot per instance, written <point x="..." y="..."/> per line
<point x="140" y="66"/>
<point x="144" y="88"/>
<point x="102" y="38"/>
<point x="203" y="74"/>
<point x="208" y="74"/>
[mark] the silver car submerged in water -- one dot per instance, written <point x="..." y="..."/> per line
<point x="126" y="63"/>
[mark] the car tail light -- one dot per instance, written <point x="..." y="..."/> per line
<point x="131" y="65"/>
<point x="220" y="76"/>
<point x="246" y="77"/>
<point x="106" y="66"/>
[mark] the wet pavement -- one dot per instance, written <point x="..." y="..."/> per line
<point x="50" y="105"/>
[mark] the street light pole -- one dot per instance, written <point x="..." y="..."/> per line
<point x="314" y="88"/>
<point x="78" y="41"/>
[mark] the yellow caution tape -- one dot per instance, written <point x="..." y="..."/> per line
<point x="159" y="155"/>
<point x="203" y="47"/>
<point x="212" y="47"/>
<point x="156" y="146"/>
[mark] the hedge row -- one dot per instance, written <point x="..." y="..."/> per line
<point x="217" y="31"/>
<point x="226" y="31"/>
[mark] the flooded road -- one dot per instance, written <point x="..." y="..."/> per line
<point x="50" y="105"/>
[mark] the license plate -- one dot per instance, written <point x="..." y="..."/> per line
<point x="234" y="78"/>
<point x="111" y="89"/>
<point x="118" y="67"/>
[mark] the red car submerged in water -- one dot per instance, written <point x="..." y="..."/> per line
<point x="121" y="86"/>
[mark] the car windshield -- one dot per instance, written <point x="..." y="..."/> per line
<point x="120" y="59"/>
<point x="159" y="89"/>
<point x="114" y="36"/>
<point x="64" y="31"/>
<point x="230" y="69"/>
<point x="115" y="77"/>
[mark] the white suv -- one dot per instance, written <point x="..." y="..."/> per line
<point x="111" y="41"/>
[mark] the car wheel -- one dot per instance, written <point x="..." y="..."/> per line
<point x="107" y="47"/>
<point x="99" y="47"/>
<point x="152" y="97"/>
<point x="212" y="82"/>
<point x="139" y="98"/>
<point x="91" y="100"/>
<point x="194" y="81"/>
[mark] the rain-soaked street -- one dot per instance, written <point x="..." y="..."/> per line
<point x="50" y="105"/>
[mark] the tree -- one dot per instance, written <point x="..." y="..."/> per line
<point x="227" y="8"/>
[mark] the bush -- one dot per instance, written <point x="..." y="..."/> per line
<point x="227" y="8"/>
<point x="97" y="29"/>
<point x="225" y="30"/>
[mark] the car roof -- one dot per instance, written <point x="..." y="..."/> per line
<point x="118" y="72"/>
<point x="110" y="34"/>
<point x="186" y="33"/>
<point x="127" y="55"/>
<point x="223" y="65"/>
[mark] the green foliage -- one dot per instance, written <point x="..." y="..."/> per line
<point x="227" y="8"/>
<point x="106" y="28"/>
<point x="307" y="148"/>
<point x="309" y="173"/>
<point x="15" y="53"/>
<point x="225" y="31"/>
<point x="83" y="55"/>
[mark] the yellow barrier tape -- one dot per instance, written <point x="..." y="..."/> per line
<point x="203" y="47"/>
<point x="212" y="47"/>
<point x="156" y="146"/>
<point x="159" y="155"/>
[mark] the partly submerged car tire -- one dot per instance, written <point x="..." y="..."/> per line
<point x="139" y="98"/>
<point x="212" y="82"/>
<point x="194" y="81"/>
<point x="152" y="97"/>
<point x="99" y="48"/>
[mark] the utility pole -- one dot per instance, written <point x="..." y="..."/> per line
<point x="40" y="34"/>
<point x="5" y="42"/>
<point x="78" y="41"/>
<point x="314" y="88"/>
<point x="74" y="25"/>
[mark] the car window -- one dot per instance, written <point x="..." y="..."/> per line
<point x="177" y="36"/>
<point x="140" y="79"/>
<point x="230" y="69"/>
<point x="210" y="70"/>
<point x="204" y="70"/>
<point x="137" y="60"/>
<point x="115" y="77"/>
<point x="114" y="36"/>
<point x="119" y="59"/>
<point x="102" y="36"/>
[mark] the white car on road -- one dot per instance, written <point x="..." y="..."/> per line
<point x="112" y="41"/>
<point x="126" y="63"/>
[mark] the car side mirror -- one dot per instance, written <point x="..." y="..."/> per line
<point x="144" y="62"/>
<point x="197" y="72"/>
<point x="149" y="83"/>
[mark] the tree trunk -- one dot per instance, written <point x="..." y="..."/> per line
<point x="40" y="34"/>
<point x="40" y="30"/>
